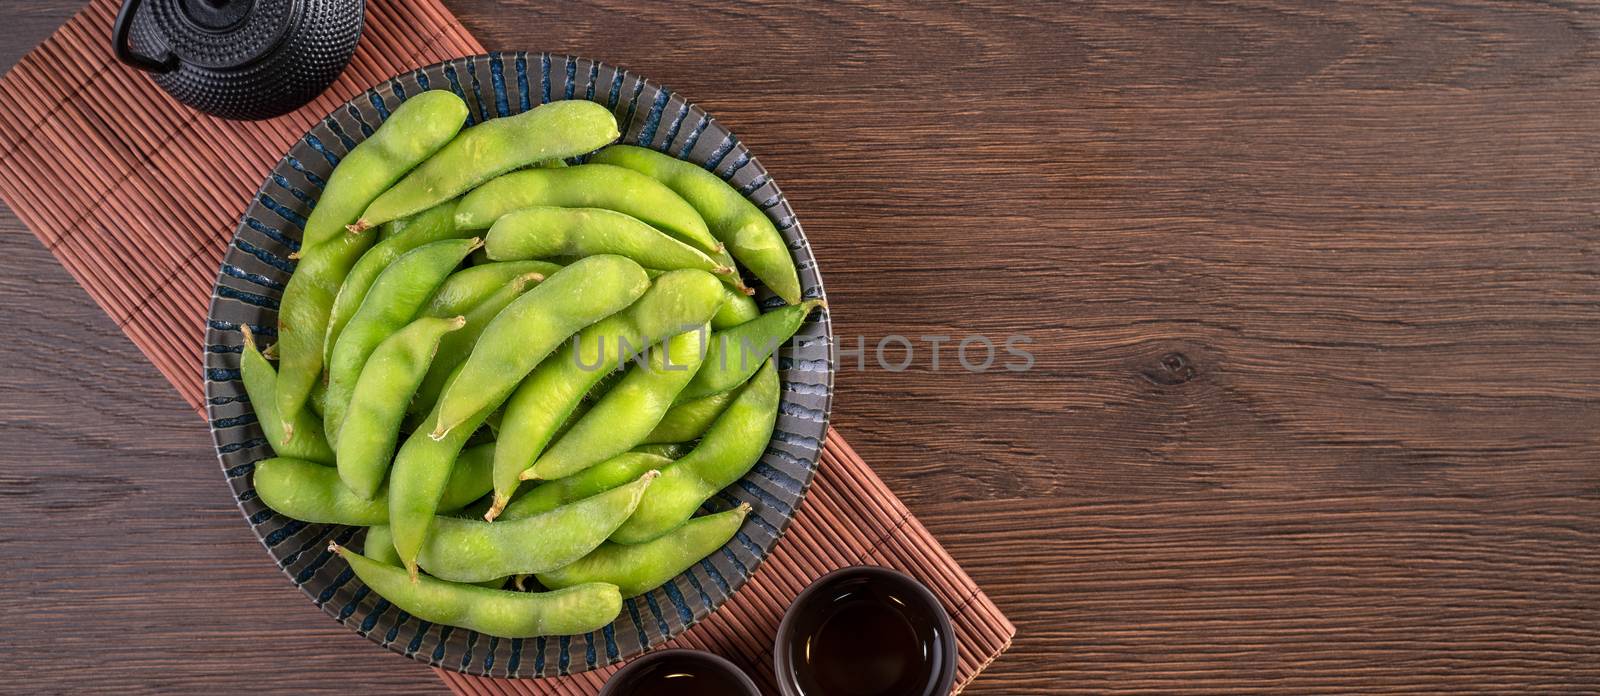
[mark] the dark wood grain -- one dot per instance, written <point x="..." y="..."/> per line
<point x="1315" y="296"/>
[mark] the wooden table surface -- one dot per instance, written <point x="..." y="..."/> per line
<point x="1315" y="300"/>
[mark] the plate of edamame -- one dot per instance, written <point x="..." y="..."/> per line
<point x="518" y="364"/>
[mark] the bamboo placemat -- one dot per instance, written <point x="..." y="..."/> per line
<point x="137" y="197"/>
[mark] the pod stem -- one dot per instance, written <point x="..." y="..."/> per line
<point x="334" y="547"/>
<point x="439" y="431"/>
<point x="358" y="226"/>
<point x="499" y="506"/>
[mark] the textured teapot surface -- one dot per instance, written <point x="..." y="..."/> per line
<point x="241" y="59"/>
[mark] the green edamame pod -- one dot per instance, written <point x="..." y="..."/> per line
<point x="416" y="129"/>
<point x="626" y="414"/>
<point x="689" y="420"/>
<point x="261" y="383"/>
<point x="395" y="299"/>
<point x="737" y="307"/>
<point x="473" y="550"/>
<point x="455" y="347"/>
<point x="592" y="481"/>
<point x="531" y="327"/>
<point x="590" y="186"/>
<point x="574" y="610"/>
<point x="303" y="319"/>
<point x="319" y="396"/>
<point x="430" y="225"/>
<point x="417" y="482"/>
<point x="379" y="546"/>
<point x="726" y="453"/>
<point x="543" y="232"/>
<point x="542" y="402"/>
<point x="468" y="287"/>
<point x="736" y="222"/>
<point x="312" y="492"/>
<point x="734" y="354"/>
<point x="378" y="402"/>
<point x="494" y="147"/>
<point x="639" y="568"/>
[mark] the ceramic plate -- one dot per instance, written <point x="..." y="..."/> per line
<point x="256" y="267"/>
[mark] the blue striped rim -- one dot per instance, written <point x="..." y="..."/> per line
<point x="338" y="132"/>
<point x="355" y="113"/>
<point x="497" y="78"/>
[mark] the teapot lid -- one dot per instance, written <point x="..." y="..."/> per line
<point x="215" y="34"/>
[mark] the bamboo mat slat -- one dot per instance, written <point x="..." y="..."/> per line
<point x="138" y="197"/>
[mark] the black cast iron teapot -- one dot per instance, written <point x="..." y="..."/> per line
<point x="240" y="59"/>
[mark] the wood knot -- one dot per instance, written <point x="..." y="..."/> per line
<point x="1172" y="369"/>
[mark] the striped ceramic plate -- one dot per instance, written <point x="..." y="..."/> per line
<point x="257" y="266"/>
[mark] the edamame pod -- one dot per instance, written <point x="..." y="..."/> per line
<point x="737" y="307"/>
<point x="590" y="186"/>
<point x="734" y="354"/>
<point x="395" y="299"/>
<point x="473" y="550"/>
<point x="417" y="482"/>
<point x="689" y="420"/>
<point x="261" y="383"/>
<point x="468" y="287"/>
<point x="415" y="130"/>
<point x="594" y="480"/>
<point x="726" y="453"/>
<point x="494" y="147"/>
<point x="379" y="546"/>
<point x="312" y="492"/>
<point x="639" y="568"/>
<point x="319" y="396"/>
<point x="626" y="414"/>
<point x="430" y="225"/>
<point x="543" y="232"/>
<point x="736" y="222"/>
<point x="543" y="401"/>
<point x="531" y="327"/>
<point x="378" y="403"/>
<point x="303" y="319"/>
<point x="455" y="347"/>
<point x="574" y="610"/>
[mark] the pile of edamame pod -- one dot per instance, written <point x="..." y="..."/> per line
<point x="461" y="365"/>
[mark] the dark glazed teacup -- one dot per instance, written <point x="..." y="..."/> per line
<point x="865" y="631"/>
<point x="680" y="673"/>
